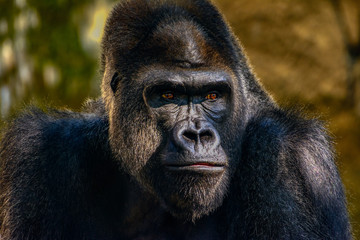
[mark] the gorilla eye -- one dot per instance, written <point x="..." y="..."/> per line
<point x="212" y="96"/>
<point x="168" y="95"/>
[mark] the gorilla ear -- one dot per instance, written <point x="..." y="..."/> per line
<point x="114" y="81"/>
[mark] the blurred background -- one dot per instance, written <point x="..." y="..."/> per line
<point x="306" y="53"/>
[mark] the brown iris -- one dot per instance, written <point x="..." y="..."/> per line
<point x="212" y="96"/>
<point x="168" y="95"/>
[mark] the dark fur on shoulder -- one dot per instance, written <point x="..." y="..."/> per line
<point x="290" y="187"/>
<point x="47" y="169"/>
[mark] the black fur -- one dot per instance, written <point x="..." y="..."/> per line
<point x="116" y="170"/>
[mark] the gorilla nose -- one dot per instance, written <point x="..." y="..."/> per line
<point x="197" y="140"/>
<point x="204" y="137"/>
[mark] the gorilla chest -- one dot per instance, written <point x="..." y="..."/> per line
<point x="180" y="232"/>
<point x="169" y="228"/>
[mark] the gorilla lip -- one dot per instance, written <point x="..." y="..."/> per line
<point x="204" y="167"/>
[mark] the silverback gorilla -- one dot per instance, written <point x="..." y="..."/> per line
<point x="183" y="144"/>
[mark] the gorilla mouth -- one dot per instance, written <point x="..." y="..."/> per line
<point x="198" y="167"/>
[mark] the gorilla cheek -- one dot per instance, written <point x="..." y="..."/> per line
<point x="232" y="138"/>
<point x="134" y="142"/>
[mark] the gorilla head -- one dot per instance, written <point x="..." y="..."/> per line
<point x="175" y="101"/>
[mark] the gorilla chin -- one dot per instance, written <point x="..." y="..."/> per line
<point x="192" y="191"/>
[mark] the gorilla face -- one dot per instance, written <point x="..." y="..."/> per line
<point x="174" y="120"/>
<point x="190" y="107"/>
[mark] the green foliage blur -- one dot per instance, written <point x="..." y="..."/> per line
<point x="44" y="56"/>
<point x="306" y="53"/>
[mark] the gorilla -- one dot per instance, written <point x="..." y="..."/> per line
<point x="183" y="143"/>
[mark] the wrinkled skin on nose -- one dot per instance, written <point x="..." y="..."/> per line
<point x="197" y="137"/>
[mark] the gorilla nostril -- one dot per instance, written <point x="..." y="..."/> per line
<point x="206" y="136"/>
<point x="190" y="136"/>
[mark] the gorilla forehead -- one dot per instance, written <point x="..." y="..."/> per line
<point x="183" y="41"/>
<point x="138" y="31"/>
<point x="180" y="43"/>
